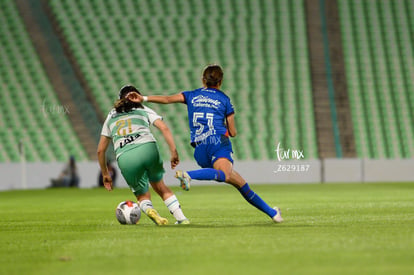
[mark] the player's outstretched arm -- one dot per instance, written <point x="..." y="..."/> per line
<point x="170" y="141"/>
<point x="162" y="99"/>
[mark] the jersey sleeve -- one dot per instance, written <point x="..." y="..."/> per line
<point x="186" y="95"/>
<point x="229" y="107"/>
<point x="152" y="115"/>
<point x="105" y="128"/>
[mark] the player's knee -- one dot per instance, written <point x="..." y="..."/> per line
<point x="223" y="176"/>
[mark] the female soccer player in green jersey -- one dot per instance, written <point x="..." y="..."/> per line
<point x="138" y="156"/>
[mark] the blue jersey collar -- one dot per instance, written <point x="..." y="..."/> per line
<point x="214" y="89"/>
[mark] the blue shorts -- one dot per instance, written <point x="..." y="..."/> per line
<point x="211" y="149"/>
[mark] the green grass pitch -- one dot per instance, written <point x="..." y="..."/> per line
<point x="328" y="229"/>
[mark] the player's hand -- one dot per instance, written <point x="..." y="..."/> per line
<point x="135" y="97"/>
<point x="107" y="181"/>
<point x="175" y="160"/>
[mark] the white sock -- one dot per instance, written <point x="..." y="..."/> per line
<point x="173" y="205"/>
<point x="145" y="204"/>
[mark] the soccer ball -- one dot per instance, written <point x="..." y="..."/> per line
<point x="128" y="212"/>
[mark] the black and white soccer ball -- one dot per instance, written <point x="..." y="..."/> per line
<point x="128" y="212"/>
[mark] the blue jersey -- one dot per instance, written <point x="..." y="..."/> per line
<point x="207" y="111"/>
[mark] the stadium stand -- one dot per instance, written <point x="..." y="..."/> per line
<point x="31" y="115"/>
<point x="377" y="40"/>
<point x="161" y="47"/>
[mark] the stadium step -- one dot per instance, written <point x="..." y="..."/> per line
<point x="62" y="77"/>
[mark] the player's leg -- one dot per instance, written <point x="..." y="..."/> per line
<point x="144" y="200"/>
<point x="132" y="167"/>
<point x="234" y="178"/>
<point x="170" y="201"/>
<point x="145" y="203"/>
<point x="203" y="157"/>
<point x="155" y="172"/>
<point x="207" y="174"/>
<point x="218" y="156"/>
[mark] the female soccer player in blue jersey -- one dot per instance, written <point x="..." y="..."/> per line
<point x="137" y="154"/>
<point x="211" y="120"/>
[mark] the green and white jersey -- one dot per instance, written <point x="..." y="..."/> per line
<point x="128" y="130"/>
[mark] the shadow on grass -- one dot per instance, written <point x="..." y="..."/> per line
<point x="246" y="225"/>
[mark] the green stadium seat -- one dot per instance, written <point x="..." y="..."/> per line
<point x="25" y="90"/>
<point x="372" y="29"/>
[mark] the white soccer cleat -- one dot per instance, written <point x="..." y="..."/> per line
<point x="278" y="217"/>
<point x="184" y="178"/>
<point x="186" y="221"/>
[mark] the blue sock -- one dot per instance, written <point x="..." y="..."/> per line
<point x="256" y="201"/>
<point x="207" y="174"/>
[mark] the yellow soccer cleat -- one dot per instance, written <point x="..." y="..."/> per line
<point x="155" y="217"/>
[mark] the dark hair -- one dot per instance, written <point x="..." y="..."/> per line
<point x="213" y="75"/>
<point x="123" y="105"/>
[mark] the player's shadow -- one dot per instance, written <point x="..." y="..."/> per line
<point x="246" y="225"/>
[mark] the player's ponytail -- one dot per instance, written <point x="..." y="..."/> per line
<point x="123" y="105"/>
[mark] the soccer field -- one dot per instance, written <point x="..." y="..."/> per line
<point x="328" y="229"/>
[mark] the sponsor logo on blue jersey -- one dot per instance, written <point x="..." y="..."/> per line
<point x="203" y="101"/>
